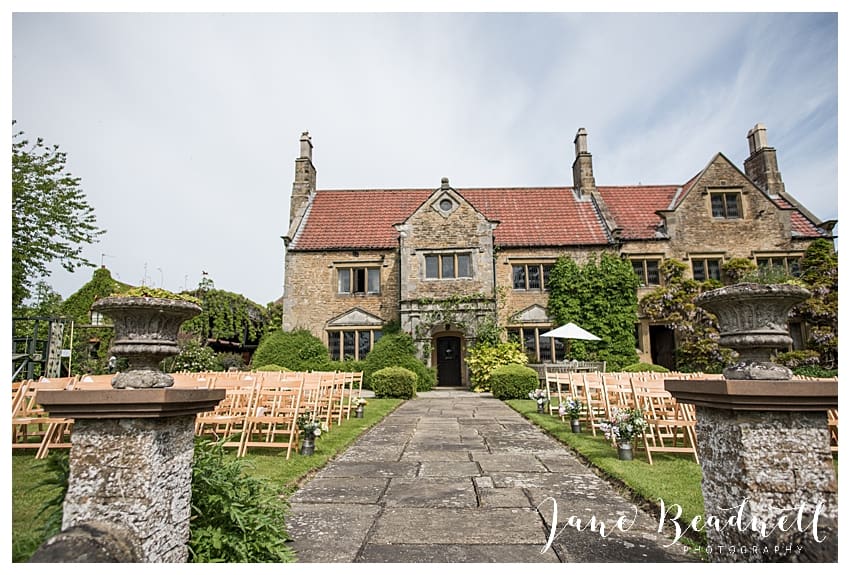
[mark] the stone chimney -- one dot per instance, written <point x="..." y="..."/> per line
<point x="761" y="167"/>
<point x="583" y="181"/>
<point x="305" y="179"/>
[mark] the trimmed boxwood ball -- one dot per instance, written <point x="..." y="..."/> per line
<point x="640" y="367"/>
<point x="297" y="350"/>
<point x="396" y="382"/>
<point x="513" y="381"/>
<point x="397" y="350"/>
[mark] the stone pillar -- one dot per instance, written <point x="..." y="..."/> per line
<point x="131" y="464"/>
<point x="766" y="460"/>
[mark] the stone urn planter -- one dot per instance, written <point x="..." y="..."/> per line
<point x="145" y="333"/>
<point x="753" y="320"/>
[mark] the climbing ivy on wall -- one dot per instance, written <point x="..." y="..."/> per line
<point x="601" y="297"/>
<point x="226" y="315"/>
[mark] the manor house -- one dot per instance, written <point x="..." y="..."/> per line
<point x="443" y="261"/>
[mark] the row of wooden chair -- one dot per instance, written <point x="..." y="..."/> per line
<point x="260" y="409"/>
<point x="670" y="424"/>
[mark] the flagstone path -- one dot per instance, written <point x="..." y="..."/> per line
<point x="454" y="477"/>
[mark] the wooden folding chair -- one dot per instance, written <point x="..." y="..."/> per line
<point x="271" y="421"/>
<point x="353" y="388"/>
<point x="619" y="390"/>
<point x="557" y="390"/>
<point x="32" y="426"/>
<point x="588" y="388"/>
<point x="227" y="420"/>
<point x="671" y="426"/>
<point x="832" y="422"/>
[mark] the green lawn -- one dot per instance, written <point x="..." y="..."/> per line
<point x="674" y="478"/>
<point x="269" y="465"/>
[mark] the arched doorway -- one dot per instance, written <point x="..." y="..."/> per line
<point x="448" y="361"/>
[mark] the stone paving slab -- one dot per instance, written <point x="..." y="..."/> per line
<point x="431" y="492"/>
<point x="329" y="532"/>
<point x="457" y="526"/>
<point x="341" y="490"/>
<point x="459" y="477"/>
<point x="456" y="554"/>
<point x="371" y="469"/>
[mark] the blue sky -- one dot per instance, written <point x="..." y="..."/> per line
<point x="184" y="127"/>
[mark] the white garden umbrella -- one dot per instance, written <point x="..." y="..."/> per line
<point x="570" y="331"/>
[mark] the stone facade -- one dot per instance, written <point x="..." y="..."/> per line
<point x="773" y="464"/>
<point x="720" y="214"/>
<point x="135" y="474"/>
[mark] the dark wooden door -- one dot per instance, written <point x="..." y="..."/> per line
<point x="448" y="361"/>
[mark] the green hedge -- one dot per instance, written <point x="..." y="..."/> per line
<point x="395" y="382"/>
<point x="639" y="367"/>
<point x="513" y="381"/>
<point x="397" y="350"/>
<point x="297" y="350"/>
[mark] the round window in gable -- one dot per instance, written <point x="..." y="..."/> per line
<point x="446" y="205"/>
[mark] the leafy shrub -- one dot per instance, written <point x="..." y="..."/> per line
<point x="483" y="358"/>
<point x="193" y="357"/>
<point x="297" y="350"/>
<point x="397" y="350"/>
<point x="814" y="371"/>
<point x="231" y="361"/>
<point x="236" y="518"/>
<point x="798" y="358"/>
<point x="636" y="367"/>
<point x="513" y="381"/>
<point x="736" y="269"/>
<point x="394" y="382"/>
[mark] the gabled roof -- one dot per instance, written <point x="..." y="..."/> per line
<point x="634" y="208"/>
<point x="364" y="219"/>
<point x="800" y="224"/>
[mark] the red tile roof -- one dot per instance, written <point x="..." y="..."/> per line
<point x="800" y="224"/>
<point x="633" y="208"/>
<point x="362" y="219"/>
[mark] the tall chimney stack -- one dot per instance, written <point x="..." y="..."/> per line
<point x="762" y="167"/>
<point x="583" y="181"/>
<point x="305" y="179"/>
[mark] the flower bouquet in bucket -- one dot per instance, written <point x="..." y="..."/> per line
<point x="622" y="428"/>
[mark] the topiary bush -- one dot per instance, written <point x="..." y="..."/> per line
<point x="513" y="381"/>
<point x="637" y="367"/>
<point x="236" y="518"/>
<point x="483" y="358"/>
<point x="297" y="350"/>
<point x="397" y="350"/>
<point x="396" y="382"/>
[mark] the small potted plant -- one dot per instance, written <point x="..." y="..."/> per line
<point x="622" y="428"/>
<point x="359" y="403"/>
<point x="572" y="408"/>
<point x="539" y="396"/>
<point x="310" y="430"/>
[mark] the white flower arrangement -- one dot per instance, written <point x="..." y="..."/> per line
<point x="571" y="407"/>
<point x="538" y="395"/>
<point x="624" y="425"/>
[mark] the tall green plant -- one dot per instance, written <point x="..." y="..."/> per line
<point x="236" y="518"/>
<point x="601" y="297"/>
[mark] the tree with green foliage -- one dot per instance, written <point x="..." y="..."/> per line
<point x="601" y="297"/>
<point x="697" y="334"/>
<point x="819" y="272"/>
<point x="484" y="357"/>
<point x="51" y="217"/>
